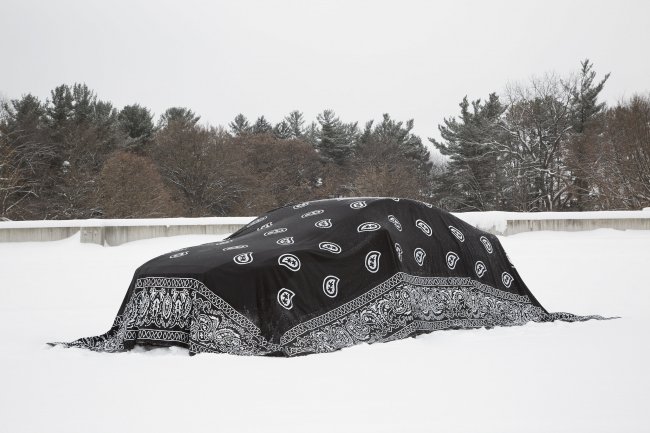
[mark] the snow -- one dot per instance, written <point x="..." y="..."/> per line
<point x="559" y="377"/>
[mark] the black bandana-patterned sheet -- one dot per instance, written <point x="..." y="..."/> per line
<point x="323" y="275"/>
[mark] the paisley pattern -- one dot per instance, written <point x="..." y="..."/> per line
<point x="368" y="227"/>
<point x="395" y="222"/>
<point x="372" y="261"/>
<point x="285" y="298"/>
<point x="325" y="284"/>
<point x="406" y="308"/>
<point x="180" y="311"/>
<point x="243" y="258"/>
<point x="185" y="312"/>
<point x="324" y="224"/>
<point x="290" y="262"/>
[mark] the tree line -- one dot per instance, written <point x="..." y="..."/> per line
<point x="550" y="144"/>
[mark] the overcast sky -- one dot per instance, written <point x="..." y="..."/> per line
<point x="413" y="59"/>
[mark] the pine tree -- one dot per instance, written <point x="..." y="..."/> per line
<point x="83" y="103"/>
<point x="137" y="123"/>
<point x="336" y="140"/>
<point x="282" y="130"/>
<point x="585" y="96"/>
<point x="311" y="134"/>
<point x="472" y="180"/>
<point x="262" y="126"/>
<point x="398" y="134"/>
<point x="295" y="120"/>
<point x="59" y="110"/>
<point x="23" y="116"/>
<point x="391" y="160"/>
<point x="585" y="106"/>
<point x="105" y="122"/>
<point x="240" y="126"/>
<point x="179" y="115"/>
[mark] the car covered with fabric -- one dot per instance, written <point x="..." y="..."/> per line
<point x="322" y="275"/>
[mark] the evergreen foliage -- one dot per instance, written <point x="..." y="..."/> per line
<point x="137" y="123"/>
<point x="473" y="177"/>
<point x="262" y="126"/>
<point x="282" y="131"/>
<point x="336" y="140"/>
<point x="295" y="120"/>
<point x="240" y="126"/>
<point x="180" y="115"/>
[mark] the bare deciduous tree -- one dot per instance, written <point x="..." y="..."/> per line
<point x="538" y="123"/>
<point x="131" y="187"/>
<point x="620" y="156"/>
<point x="203" y="166"/>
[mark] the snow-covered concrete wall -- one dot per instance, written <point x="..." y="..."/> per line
<point x="573" y="225"/>
<point x="510" y="223"/>
<point x="117" y="232"/>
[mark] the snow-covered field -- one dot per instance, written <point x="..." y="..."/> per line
<point x="558" y="377"/>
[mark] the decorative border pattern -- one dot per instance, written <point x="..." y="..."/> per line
<point x="405" y="309"/>
<point x="379" y="290"/>
<point x="183" y="311"/>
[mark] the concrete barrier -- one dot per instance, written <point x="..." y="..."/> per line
<point x="572" y="225"/>
<point x="36" y="234"/>
<point x="117" y="235"/>
<point x="118" y="232"/>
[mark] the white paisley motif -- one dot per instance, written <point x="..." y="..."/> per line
<point x="289" y="261"/>
<point x="358" y="204"/>
<point x="324" y="224"/>
<point x="275" y="231"/>
<point x="426" y="229"/>
<point x="331" y="286"/>
<point x="399" y="251"/>
<point x="368" y="227"/>
<point x="300" y="205"/>
<point x="480" y="269"/>
<point x="506" y="279"/>
<point x="372" y="261"/>
<point x="395" y="222"/>
<point x="459" y="235"/>
<point x="419" y="256"/>
<point x="243" y="258"/>
<point x="177" y="255"/>
<point x="452" y="258"/>
<point x="330" y="246"/>
<point x="486" y="243"/>
<point x="265" y="226"/>
<point x="285" y="241"/>
<point x="285" y="298"/>
<point x="236" y="247"/>
<point x="312" y="213"/>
